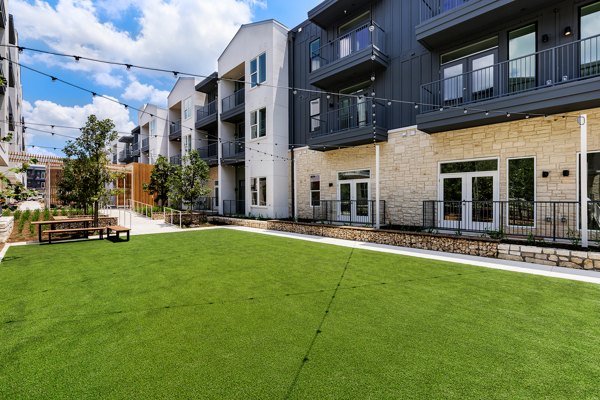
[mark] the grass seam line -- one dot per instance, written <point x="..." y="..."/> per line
<point x="318" y="330"/>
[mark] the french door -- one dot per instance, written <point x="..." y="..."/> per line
<point x="354" y="204"/>
<point x="469" y="201"/>
<point x="469" y="79"/>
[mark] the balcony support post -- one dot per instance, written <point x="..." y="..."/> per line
<point x="584" y="180"/>
<point x="377" y="189"/>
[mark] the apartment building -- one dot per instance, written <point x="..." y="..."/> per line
<point x="456" y="114"/>
<point x="151" y="136"/>
<point x="252" y="126"/>
<point x="11" y="94"/>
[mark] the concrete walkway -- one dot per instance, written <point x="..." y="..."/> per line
<point x="141" y="225"/>
<point x="513" y="266"/>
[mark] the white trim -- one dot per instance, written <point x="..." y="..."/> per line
<point x="310" y="191"/>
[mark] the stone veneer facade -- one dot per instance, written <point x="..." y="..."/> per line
<point x="410" y="161"/>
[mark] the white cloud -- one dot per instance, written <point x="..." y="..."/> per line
<point x="145" y="93"/>
<point x="183" y="35"/>
<point x="47" y="112"/>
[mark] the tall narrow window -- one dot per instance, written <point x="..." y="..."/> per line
<point x="590" y="29"/>
<point x="315" y="190"/>
<point x="258" y="70"/>
<point x="187" y="108"/>
<point x="153" y="127"/>
<point x="258" y="123"/>
<point x="258" y="191"/>
<point x="521" y="191"/>
<point x="216" y="193"/>
<point x="315" y="54"/>
<point x="315" y="115"/>
<point x="521" y="52"/>
<point x="187" y="143"/>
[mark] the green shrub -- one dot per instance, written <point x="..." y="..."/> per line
<point x="24" y="218"/>
<point x="6" y="212"/>
<point x="46" y="214"/>
<point x="17" y="215"/>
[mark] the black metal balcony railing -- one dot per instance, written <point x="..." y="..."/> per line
<point x="206" y="111"/>
<point x="234" y="149"/>
<point x="574" y="61"/>
<point x="206" y="204"/>
<point x="432" y="8"/>
<point x="353" y="42"/>
<point x="146" y="144"/>
<point x="234" y="100"/>
<point x="210" y="151"/>
<point x="124" y="155"/>
<point x="234" y="207"/>
<point x="355" y="116"/>
<point x="175" y="128"/>
<point x="552" y="220"/>
<point x="135" y="147"/>
<point x="351" y="212"/>
<point x="175" y="160"/>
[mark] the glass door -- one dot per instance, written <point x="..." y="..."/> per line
<point x="354" y="202"/>
<point x="469" y="201"/>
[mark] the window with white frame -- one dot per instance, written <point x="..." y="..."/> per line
<point x="521" y="191"/>
<point x="187" y="108"/>
<point x="258" y="70"/>
<point x="315" y="190"/>
<point x="153" y="127"/>
<point x="258" y="123"/>
<point x="258" y="191"/>
<point x="187" y="143"/>
<point x="315" y="115"/>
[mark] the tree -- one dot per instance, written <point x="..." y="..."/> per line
<point x="159" y="180"/>
<point x="189" y="180"/>
<point x="12" y="191"/>
<point x="86" y="176"/>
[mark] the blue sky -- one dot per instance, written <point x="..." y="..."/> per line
<point x="183" y="35"/>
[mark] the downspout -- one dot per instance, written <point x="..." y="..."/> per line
<point x="292" y="120"/>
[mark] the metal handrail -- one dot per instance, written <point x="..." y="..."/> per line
<point x="433" y="8"/>
<point x="361" y="114"/>
<point x="369" y="34"/>
<point x="175" y="128"/>
<point x="141" y="208"/>
<point x="569" y="62"/>
<point x="206" y="110"/>
<point x="234" y="100"/>
<point x="172" y="211"/>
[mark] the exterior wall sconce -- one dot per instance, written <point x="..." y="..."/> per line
<point x="545" y="174"/>
<point x="568" y="31"/>
<point x="565" y="172"/>
<point x="545" y="38"/>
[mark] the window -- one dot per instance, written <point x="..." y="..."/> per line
<point x="315" y="190"/>
<point x="258" y="70"/>
<point x="469" y="166"/>
<point x="258" y="191"/>
<point x="315" y="54"/>
<point x="315" y="115"/>
<point x="187" y="143"/>
<point x="216" y="193"/>
<point x="351" y="175"/>
<point x="522" y="67"/>
<point x="187" y="108"/>
<point x="521" y="191"/>
<point x="590" y="29"/>
<point x="153" y="127"/>
<point x="258" y="123"/>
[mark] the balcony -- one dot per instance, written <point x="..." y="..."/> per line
<point x="175" y="131"/>
<point x="126" y="139"/>
<point x="175" y="160"/>
<point x="331" y="12"/>
<point x="350" y="126"/>
<point x="351" y="57"/>
<point x="233" y="107"/>
<point x="234" y="152"/>
<point x="206" y="116"/>
<point x="135" y="149"/>
<point x="561" y="79"/>
<point x="2" y="86"/>
<point x="125" y="156"/>
<point x="145" y="145"/>
<point x="447" y="21"/>
<point x="210" y="154"/>
<point x="11" y="75"/>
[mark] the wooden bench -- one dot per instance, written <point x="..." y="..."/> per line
<point x="87" y="231"/>
<point x="117" y="229"/>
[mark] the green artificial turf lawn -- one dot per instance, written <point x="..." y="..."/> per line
<point x="224" y="314"/>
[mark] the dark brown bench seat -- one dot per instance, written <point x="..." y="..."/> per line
<point x="87" y="231"/>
